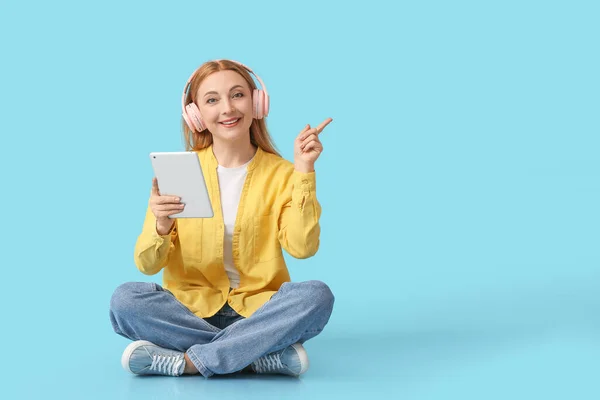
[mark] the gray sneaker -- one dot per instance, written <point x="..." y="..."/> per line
<point x="145" y="358"/>
<point x="292" y="360"/>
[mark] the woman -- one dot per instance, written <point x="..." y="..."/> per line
<point x="227" y="303"/>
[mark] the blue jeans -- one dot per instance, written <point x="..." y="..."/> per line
<point x="226" y="342"/>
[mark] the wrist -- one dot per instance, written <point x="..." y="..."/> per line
<point x="304" y="167"/>
<point x="164" y="227"/>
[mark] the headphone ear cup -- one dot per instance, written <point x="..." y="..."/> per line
<point x="260" y="104"/>
<point x="265" y="103"/>
<point x="255" y="95"/>
<point x="187" y="120"/>
<point x="192" y="118"/>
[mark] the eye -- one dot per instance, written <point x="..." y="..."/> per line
<point x="211" y="100"/>
<point x="238" y="94"/>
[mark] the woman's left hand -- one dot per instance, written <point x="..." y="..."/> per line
<point x="308" y="147"/>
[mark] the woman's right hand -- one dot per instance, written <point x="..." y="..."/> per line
<point x="162" y="207"/>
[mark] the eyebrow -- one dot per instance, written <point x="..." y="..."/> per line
<point x="213" y="92"/>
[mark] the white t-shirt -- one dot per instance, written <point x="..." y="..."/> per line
<point x="231" y="183"/>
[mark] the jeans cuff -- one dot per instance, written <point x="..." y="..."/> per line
<point x="198" y="364"/>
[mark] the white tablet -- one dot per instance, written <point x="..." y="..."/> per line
<point x="180" y="174"/>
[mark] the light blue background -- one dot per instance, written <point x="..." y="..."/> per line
<point x="459" y="184"/>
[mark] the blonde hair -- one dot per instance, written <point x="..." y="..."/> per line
<point x="259" y="135"/>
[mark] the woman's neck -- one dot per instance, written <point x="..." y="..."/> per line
<point x="233" y="154"/>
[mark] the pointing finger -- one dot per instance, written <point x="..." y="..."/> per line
<point x="323" y="124"/>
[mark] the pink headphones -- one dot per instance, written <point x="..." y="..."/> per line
<point x="191" y="113"/>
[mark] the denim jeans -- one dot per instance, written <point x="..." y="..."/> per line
<point x="226" y="342"/>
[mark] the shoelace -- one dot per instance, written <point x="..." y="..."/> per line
<point x="268" y="363"/>
<point x="167" y="364"/>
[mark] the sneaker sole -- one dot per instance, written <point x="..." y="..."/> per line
<point x="129" y="350"/>
<point x="303" y="357"/>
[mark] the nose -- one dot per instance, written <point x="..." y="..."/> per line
<point x="227" y="106"/>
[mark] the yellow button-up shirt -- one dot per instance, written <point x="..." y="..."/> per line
<point x="278" y="209"/>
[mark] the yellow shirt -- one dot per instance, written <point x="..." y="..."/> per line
<point x="278" y="209"/>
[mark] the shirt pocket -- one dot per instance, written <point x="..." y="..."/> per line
<point x="266" y="240"/>
<point x="190" y="234"/>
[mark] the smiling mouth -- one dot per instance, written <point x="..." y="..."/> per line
<point x="230" y="123"/>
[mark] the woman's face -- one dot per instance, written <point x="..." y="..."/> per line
<point x="225" y="102"/>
